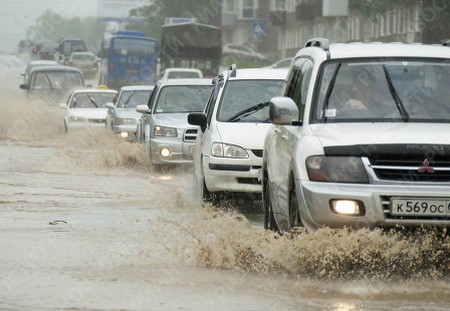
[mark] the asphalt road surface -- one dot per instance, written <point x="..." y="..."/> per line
<point x="85" y="224"/>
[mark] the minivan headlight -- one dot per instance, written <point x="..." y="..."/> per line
<point x="164" y="131"/>
<point x="336" y="169"/>
<point x="223" y="150"/>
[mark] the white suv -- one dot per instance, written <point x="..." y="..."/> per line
<point x="360" y="138"/>
<point x="228" y="147"/>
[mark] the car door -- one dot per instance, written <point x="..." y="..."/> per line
<point x="287" y="136"/>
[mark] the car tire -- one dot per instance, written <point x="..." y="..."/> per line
<point x="269" y="218"/>
<point x="294" y="213"/>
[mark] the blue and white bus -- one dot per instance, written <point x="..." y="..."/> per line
<point x="128" y="58"/>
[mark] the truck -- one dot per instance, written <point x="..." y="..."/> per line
<point x="191" y="45"/>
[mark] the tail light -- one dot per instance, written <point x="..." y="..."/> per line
<point x="110" y="67"/>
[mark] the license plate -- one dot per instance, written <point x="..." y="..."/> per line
<point x="133" y="71"/>
<point x="420" y="207"/>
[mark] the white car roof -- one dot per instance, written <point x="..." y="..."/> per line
<point x="137" y="87"/>
<point x="361" y="50"/>
<point x="187" y="81"/>
<point x="258" y="73"/>
<point x="92" y="90"/>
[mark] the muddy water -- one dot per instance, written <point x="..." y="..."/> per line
<point x="86" y="224"/>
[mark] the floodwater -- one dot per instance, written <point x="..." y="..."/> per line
<point x="85" y="224"/>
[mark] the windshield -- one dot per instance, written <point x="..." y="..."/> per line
<point x="186" y="98"/>
<point x="390" y="90"/>
<point x="91" y="100"/>
<point x="57" y="80"/>
<point x="242" y="99"/>
<point x="130" y="99"/>
<point x="133" y="46"/>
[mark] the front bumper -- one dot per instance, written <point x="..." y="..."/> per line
<point x="181" y="152"/>
<point x="315" y="210"/>
<point x="71" y="126"/>
<point x="233" y="175"/>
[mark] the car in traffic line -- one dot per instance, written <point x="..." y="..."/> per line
<point x="359" y="138"/>
<point x="241" y="52"/>
<point x="35" y="63"/>
<point x="87" y="62"/>
<point x="228" y="148"/>
<point x="182" y="73"/>
<point x="168" y="137"/>
<point x="52" y="84"/>
<point x="122" y="117"/>
<point x="86" y="108"/>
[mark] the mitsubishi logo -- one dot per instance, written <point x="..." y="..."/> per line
<point x="426" y="168"/>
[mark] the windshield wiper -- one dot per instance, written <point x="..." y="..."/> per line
<point x="248" y="111"/>
<point x="49" y="82"/>
<point x="400" y="106"/>
<point x="125" y="104"/>
<point x="328" y="94"/>
<point x="92" y="100"/>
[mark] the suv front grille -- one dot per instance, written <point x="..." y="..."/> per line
<point x="410" y="168"/>
<point x="190" y="135"/>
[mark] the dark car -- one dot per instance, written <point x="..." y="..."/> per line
<point x="53" y="83"/>
<point x="37" y="46"/>
<point x="47" y="51"/>
<point x="25" y="46"/>
<point x="67" y="46"/>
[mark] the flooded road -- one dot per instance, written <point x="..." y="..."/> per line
<point x="85" y="224"/>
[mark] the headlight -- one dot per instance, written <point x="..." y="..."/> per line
<point x="336" y="169"/>
<point x="125" y="121"/>
<point x="164" y="131"/>
<point x="228" y="151"/>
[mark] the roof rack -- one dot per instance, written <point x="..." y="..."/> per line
<point x="322" y="43"/>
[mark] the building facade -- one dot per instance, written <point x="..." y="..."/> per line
<point x="280" y="28"/>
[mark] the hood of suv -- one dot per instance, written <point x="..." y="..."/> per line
<point x="347" y="134"/>
<point x="177" y="120"/>
<point x="128" y="113"/>
<point x="247" y="135"/>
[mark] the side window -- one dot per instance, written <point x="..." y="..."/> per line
<point x="152" y="98"/>
<point x="298" y="82"/>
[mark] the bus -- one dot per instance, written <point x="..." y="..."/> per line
<point x="128" y="58"/>
<point x="191" y="45"/>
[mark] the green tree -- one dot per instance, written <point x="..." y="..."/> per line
<point x="52" y="26"/>
<point x="205" y="11"/>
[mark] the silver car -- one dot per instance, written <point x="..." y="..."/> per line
<point x="122" y="117"/>
<point x="168" y="137"/>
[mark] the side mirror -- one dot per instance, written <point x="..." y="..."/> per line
<point x="142" y="109"/>
<point x="197" y="118"/>
<point x="63" y="106"/>
<point x="110" y="105"/>
<point x="23" y="87"/>
<point x="283" y="111"/>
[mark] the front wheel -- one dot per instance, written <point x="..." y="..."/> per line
<point x="269" y="218"/>
<point x="294" y="213"/>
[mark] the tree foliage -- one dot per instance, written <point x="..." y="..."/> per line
<point x="205" y="11"/>
<point x="52" y="26"/>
